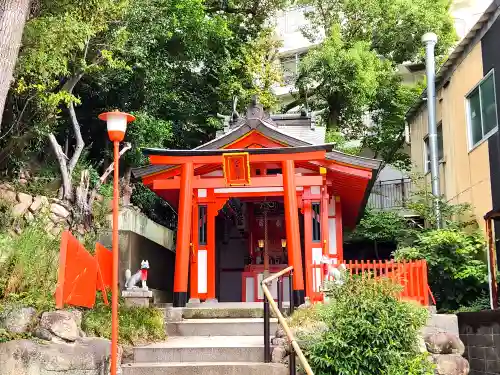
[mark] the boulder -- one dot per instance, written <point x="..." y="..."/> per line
<point x="42" y="333"/>
<point x="59" y="210"/>
<point x="87" y="356"/>
<point x="25" y="201"/>
<point x="77" y="315"/>
<point x="444" y="343"/>
<point x="450" y="364"/>
<point x="62" y="324"/>
<point x="39" y="202"/>
<point x="8" y="196"/>
<point x="278" y="354"/>
<point x="18" y="320"/>
<point x="280" y="332"/>
<point x="283" y="342"/>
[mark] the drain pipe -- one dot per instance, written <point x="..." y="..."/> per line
<point x="430" y="40"/>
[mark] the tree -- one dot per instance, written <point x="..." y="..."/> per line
<point x="353" y="72"/>
<point x="13" y="15"/>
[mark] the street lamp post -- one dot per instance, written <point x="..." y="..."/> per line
<point x="117" y="126"/>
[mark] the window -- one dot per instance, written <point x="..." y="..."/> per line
<point x="316" y="222"/>
<point x="482" y="110"/>
<point x="202" y="225"/>
<point x="427" y="148"/>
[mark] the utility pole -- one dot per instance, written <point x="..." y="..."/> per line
<point x="430" y="40"/>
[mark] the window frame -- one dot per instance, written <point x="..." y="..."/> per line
<point x="477" y="87"/>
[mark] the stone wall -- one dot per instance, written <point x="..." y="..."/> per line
<point x="480" y="332"/>
<point x="54" y="214"/>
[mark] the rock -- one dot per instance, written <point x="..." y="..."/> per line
<point x="422" y="347"/>
<point x="278" y="354"/>
<point x="29" y="216"/>
<point x="24" y="198"/>
<point x="88" y="356"/>
<point x="77" y="315"/>
<point x="62" y="324"/>
<point x="128" y="354"/>
<point x="8" y="196"/>
<point x="59" y="210"/>
<point x="18" y="320"/>
<point x="39" y="202"/>
<point x="25" y="201"/>
<point x="283" y="342"/>
<point x="42" y="333"/>
<point x="23" y="181"/>
<point x="444" y="343"/>
<point x="280" y="332"/>
<point x="451" y="364"/>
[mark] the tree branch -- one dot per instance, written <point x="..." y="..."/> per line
<point x="127" y="146"/>
<point x="79" y="140"/>
<point x="62" y="160"/>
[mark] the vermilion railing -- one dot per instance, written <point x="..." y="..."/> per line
<point x="412" y="276"/>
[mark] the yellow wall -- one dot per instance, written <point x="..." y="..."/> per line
<point x="465" y="175"/>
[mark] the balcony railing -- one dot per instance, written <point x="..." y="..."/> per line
<point x="390" y="194"/>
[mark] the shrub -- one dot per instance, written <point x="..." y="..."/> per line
<point x="457" y="271"/>
<point x="366" y="331"/>
<point x="28" y="272"/>
<point x="138" y="325"/>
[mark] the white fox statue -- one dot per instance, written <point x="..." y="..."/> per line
<point x="332" y="271"/>
<point x="131" y="281"/>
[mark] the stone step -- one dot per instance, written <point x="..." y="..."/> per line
<point x="203" y="349"/>
<point x="204" y="368"/>
<point x="220" y="327"/>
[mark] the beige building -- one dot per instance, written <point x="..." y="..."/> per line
<point x="466" y="114"/>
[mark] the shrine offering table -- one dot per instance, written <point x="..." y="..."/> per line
<point x="253" y="275"/>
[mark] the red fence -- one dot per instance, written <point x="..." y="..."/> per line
<point x="411" y="275"/>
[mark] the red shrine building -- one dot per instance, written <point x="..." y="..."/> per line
<point x="266" y="193"/>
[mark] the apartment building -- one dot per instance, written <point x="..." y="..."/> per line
<point x="467" y="116"/>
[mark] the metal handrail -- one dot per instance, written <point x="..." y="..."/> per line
<point x="282" y="320"/>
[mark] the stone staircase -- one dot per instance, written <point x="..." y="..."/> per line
<point x="223" y="338"/>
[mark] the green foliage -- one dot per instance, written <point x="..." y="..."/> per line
<point x="353" y="73"/>
<point x="382" y="226"/>
<point x="393" y="29"/>
<point x="366" y="329"/>
<point x="348" y="78"/>
<point x="28" y="272"/>
<point x="341" y="143"/>
<point x="454" y="216"/>
<point x="457" y="269"/>
<point x="138" y="325"/>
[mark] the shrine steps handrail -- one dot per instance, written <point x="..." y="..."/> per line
<point x="282" y="320"/>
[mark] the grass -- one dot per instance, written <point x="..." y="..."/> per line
<point x="28" y="270"/>
<point x="138" y="325"/>
<point x="28" y="277"/>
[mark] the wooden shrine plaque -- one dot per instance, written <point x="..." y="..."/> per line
<point x="237" y="169"/>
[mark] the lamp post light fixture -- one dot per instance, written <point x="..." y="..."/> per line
<point x="117" y="126"/>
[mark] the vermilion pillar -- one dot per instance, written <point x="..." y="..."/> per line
<point x="183" y="233"/>
<point x="293" y="230"/>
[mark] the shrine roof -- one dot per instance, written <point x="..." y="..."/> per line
<point x="250" y="151"/>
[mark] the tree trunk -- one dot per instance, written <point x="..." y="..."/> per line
<point x="13" y="14"/>
<point x="126" y="187"/>
<point x="67" y="192"/>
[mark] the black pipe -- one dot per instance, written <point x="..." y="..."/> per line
<point x="267" y="333"/>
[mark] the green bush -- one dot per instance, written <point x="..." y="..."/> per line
<point x="457" y="269"/>
<point x="366" y="331"/>
<point x="28" y="268"/>
<point x="138" y="325"/>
